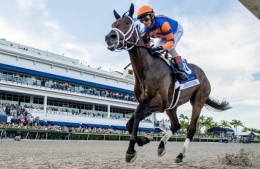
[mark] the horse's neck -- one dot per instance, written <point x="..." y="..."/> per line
<point x="141" y="61"/>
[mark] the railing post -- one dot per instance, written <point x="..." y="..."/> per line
<point x="46" y="135"/>
<point x="36" y="136"/>
<point x="27" y="135"/>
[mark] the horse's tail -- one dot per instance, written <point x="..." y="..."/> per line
<point x="216" y="105"/>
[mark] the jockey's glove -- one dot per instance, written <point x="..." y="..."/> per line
<point x="156" y="48"/>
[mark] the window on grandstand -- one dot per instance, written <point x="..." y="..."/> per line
<point x="15" y="97"/>
<point x="3" y="96"/>
<point x="69" y="104"/>
<point x="11" y="97"/>
<point x="38" y="100"/>
<point x="73" y="105"/>
<point x="86" y="107"/>
<point x="24" y="99"/>
<point x="121" y="110"/>
<point x="101" y="108"/>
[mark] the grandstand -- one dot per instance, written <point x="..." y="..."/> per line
<point x="60" y="91"/>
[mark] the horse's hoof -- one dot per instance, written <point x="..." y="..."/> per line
<point x="161" y="152"/>
<point x="178" y="160"/>
<point x="129" y="158"/>
<point x="142" y="141"/>
<point x="148" y="137"/>
<point x="146" y="140"/>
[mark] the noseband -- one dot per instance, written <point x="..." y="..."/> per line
<point x="126" y="37"/>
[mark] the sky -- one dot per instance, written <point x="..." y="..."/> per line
<point x="222" y="37"/>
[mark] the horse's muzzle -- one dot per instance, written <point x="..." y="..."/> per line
<point x="111" y="40"/>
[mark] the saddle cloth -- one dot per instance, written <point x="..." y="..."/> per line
<point x="180" y="84"/>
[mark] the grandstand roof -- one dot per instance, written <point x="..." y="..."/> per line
<point x="253" y="6"/>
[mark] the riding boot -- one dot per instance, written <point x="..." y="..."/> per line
<point x="180" y="72"/>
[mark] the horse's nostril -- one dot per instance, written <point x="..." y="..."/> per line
<point x="113" y="36"/>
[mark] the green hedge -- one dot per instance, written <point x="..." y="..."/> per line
<point x="63" y="135"/>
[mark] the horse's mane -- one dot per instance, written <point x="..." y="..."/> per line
<point x="139" y="27"/>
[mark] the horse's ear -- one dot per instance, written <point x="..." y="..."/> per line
<point x="117" y="16"/>
<point x="131" y="10"/>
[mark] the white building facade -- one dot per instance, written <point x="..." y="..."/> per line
<point x="60" y="90"/>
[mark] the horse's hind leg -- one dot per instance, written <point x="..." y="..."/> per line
<point x="175" y="126"/>
<point x="197" y="102"/>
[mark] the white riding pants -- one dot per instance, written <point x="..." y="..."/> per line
<point x="177" y="36"/>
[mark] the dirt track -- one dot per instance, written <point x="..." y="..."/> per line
<point x="110" y="155"/>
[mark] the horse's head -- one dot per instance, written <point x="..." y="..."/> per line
<point x="123" y="33"/>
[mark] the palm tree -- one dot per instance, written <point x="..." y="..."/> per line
<point x="184" y="126"/>
<point x="183" y="117"/>
<point x="200" y="124"/>
<point x="244" y="129"/>
<point x="215" y="124"/>
<point x="208" y="123"/>
<point x="224" y="123"/>
<point x="253" y="130"/>
<point x="184" y="122"/>
<point x="236" y="123"/>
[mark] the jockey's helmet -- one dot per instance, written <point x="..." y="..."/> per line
<point x="143" y="11"/>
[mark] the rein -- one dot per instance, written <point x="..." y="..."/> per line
<point x="141" y="46"/>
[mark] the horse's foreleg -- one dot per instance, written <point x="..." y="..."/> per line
<point x="129" y="124"/>
<point x="132" y="125"/>
<point x="131" y="153"/>
<point x="129" y="127"/>
<point x="141" y="112"/>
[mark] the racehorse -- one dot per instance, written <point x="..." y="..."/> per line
<point x="154" y="87"/>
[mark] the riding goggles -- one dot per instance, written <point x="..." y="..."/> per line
<point x="145" y="18"/>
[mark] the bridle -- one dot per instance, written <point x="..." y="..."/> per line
<point x="126" y="37"/>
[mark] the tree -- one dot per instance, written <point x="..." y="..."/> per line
<point x="236" y="123"/>
<point x="184" y="126"/>
<point x="184" y="122"/>
<point x="224" y="123"/>
<point x="208" y="123"/>
<point x="200" y="124"/>
<point x="253" y="130"/>
<point x="183" y="117"/>
<point x="244" y="129"/>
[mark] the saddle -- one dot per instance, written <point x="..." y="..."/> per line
<point x="179" y="84"/>
<point x="169" y="61"/>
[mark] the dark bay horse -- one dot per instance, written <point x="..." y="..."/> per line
<point x="154" y="85"/>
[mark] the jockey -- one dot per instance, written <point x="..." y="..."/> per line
<point x="167" y="30"/>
